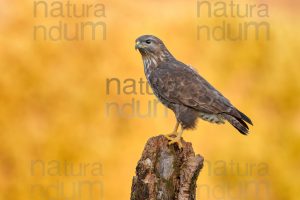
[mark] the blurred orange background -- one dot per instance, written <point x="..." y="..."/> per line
<point x="55" y="101"/>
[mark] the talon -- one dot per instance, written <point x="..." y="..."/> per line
<point x="169" y="136"/>
<point x="176" y="140"/>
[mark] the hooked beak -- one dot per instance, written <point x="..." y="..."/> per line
<point x="138" y="45"/>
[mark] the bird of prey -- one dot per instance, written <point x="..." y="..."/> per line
<point x="184" y="91"/>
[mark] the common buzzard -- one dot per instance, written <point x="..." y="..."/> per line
<point x="183" y="90"/>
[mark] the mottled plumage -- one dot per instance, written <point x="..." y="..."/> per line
<point x="183" y="90"/>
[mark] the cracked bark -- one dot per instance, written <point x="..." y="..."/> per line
<point x="166" y="172"/>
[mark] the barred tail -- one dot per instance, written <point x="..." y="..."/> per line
<point x="245" y="118"/>
<point x="238" y="123"/>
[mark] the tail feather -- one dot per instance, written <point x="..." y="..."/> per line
<point x="245" y="118"/>
<point x="239" y="124"/>
<point x="242" y="122"/>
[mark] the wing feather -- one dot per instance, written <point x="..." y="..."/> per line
<point x="180" y="84"/>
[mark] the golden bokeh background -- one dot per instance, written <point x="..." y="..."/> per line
<point x="54" y="101"/>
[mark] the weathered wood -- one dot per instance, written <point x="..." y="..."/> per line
<point x="166" y="172"/>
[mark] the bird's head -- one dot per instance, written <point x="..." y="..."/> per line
<point x="149" y="45"/>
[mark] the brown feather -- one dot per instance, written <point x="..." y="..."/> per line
<point x="183" y="90"/>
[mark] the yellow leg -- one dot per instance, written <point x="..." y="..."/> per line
<point x="177" y="139"/>
<point x="173" y="133"/>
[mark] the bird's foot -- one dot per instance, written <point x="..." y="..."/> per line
<point x="169" y="136"/>
<point x="175" y="140"/>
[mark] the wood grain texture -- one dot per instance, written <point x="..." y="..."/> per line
<point x="166" y="172"/>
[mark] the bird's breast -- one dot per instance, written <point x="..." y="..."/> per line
<point x="149" y="65"/>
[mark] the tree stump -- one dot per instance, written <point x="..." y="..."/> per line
<point x="166" y="172"/>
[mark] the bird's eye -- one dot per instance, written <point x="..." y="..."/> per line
<point x="148" y="41"/>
